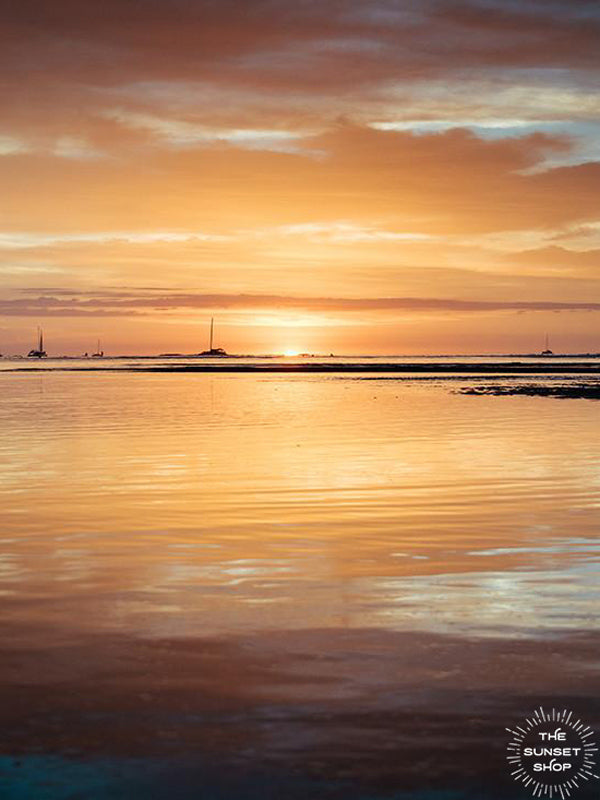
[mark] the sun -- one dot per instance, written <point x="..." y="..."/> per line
<point x="290" y="353"/>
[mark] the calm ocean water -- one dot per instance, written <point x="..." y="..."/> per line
<point x="293" y="585"/>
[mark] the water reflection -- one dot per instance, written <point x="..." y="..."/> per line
<point x="259" y="569"/>
<point x="317" y="496"/>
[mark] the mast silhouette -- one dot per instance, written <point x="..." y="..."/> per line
<point x="546" y="351"/>
<point x="212" y="350"/>
<point x="39" y="352"/>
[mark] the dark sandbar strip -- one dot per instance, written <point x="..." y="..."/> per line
<point x="357" y="367"/>
<point x="577" y="391"/>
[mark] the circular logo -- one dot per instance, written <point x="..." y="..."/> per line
<point x="552" y="753"/>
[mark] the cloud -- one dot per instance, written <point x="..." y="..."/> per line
<point x="347" y="232"/>
<point x="63" y="147"/>
<point x="10" y="146"/>
<point x="73" y="147"/>
<point x="17" y="241"/>
<point x="183" y="133"/>
<point x="334" y="43"/>
<point x="298" y="58"/>
<point x="558" y="259"/>
<point x="436" y="184"/>
<point x="125" y="304"/>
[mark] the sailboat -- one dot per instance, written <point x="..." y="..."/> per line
<point x="546" y="351"/>
<point x="99" y="353"/>
<point x="39" y="352"/>
<point x="214" y="352"/>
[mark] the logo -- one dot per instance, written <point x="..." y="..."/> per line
<point x="552" y="753"/>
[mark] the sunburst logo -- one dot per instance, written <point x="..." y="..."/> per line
<point x="551" y="753"/>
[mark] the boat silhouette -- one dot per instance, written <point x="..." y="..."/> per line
<point x="214" y="352"/>
<point x="38" y="352"/>
<point x="546" y="351"/>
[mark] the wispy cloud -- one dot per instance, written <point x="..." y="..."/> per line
<point x="334" y="232"/>
<point x="124" y="303"/>
<point x="10" y="146"/>
<point x="68" y="147"/>
<point x="19" y="241"/>
<point x="183" y="133"/>
<point x="74" y="147"/>
<point x="348" y="232"/>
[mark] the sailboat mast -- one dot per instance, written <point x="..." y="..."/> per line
<point x="212" y="326"/>
<point x="41" y="347"/>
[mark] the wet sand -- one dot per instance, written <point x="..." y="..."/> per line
<point x="346" y="713"/>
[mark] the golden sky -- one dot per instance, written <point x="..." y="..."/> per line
<point x="382" y="177"/>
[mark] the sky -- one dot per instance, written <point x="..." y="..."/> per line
<point x="341" y="176"/>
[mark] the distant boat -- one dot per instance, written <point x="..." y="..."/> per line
<point x="215" y="352"/>
<point x="546" y="351"/>
<point x="99" y="353"/>
<point x="39" y="352"/>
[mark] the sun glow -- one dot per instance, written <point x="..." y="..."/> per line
<point x="290" y="353"/>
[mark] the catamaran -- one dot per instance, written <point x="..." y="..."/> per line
<point x="214" y="352"/>
<point x="546" y="351"/>
<point x="39" y="352"/>
<point x="99" y="353"/>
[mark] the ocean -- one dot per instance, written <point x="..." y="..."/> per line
<point x="342" y="583"/>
